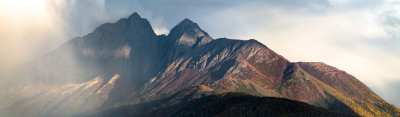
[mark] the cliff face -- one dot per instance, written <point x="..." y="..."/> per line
<point x="127" y="62"/>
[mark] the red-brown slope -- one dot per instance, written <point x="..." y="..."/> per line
<point x="216" y="60"/>
<point x="337" y="79"/>
<point x="351" y="89"/>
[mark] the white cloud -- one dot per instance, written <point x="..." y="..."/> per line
<point x="26" y="25"/>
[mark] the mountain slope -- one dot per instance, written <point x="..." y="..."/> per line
<point x="126" y="62"/>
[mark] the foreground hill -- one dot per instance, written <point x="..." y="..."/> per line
<point x="199" y="101"/>
<point x="126" y="62"/>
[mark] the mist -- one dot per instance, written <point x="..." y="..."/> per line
<point x="33" y="29"/>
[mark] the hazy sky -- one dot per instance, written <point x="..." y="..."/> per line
<point x="361" y="37"/>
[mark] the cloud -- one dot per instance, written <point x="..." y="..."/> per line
<point x="24" y="26"/>
<point x="389" y="94"/>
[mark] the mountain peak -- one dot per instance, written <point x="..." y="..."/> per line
<point x="134" y="15"/>
<point x="130" y="30"/>
<point x="189" y="34"/>
<point x="186" y="25"/>
<point x="187" y="22"/>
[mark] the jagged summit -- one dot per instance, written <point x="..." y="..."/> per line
<point x="187" y="20"/>
<point x="134" y="15"/>
<point x="188" y="34"/>
<point x="186" y="24"/>
<point x="132" y="30"/>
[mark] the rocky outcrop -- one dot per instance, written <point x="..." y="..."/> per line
<point x="188" y="34"/>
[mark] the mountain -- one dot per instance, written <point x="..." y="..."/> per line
<point x="127" y="63"/>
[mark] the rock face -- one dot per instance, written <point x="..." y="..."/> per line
<point x="126" y="62"/>
<point x="188" y="34"/>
